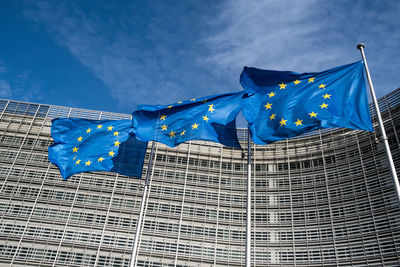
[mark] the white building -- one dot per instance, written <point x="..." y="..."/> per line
<point x="325" y="199"/>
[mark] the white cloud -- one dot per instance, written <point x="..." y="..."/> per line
<point x="119" y="56"/>
<point x="18" y="85"/>
<point x="140" y="56"/>
<point x="269" y="34"/>
<point x="110" y="60"/>
<point x="306" y="36"/>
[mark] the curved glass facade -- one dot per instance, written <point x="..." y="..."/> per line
<point x="324" y="199"/>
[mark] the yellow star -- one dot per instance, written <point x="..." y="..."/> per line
<point x="325" y="96"/>
<point x="180" y="102"/>
<point x="298" y="122"/>
<point x="183" y="132"/>
<point x="75" y="149"/>
<point x="164" y="127"/>
<point x="116" y="133"/>
<point x="88" y="130"/>
<point x="205" y="118"/>
<point x="282" y="86"/>
<point x="312" y="114"/>
<point x="111" y="153"/>
<point x="283" y="122"/>
<point x="311" y="80"/>
<point x="195" y="125"/>
<point x="74" y="158"/>
<point x="323" y="105"/>
<point x="87" y="163"/>
<point x="100" y="159"/>
<point x="110" y="128"/>
<point x="170" y="106"/>
<point x="271" y="94"/>
<point x="272" y="117"/>
<point x="268" y="106"/>
<point x="193" y="99"/>
<point x="296" y="82"/>
<point x="116" y="143"/>
<point x="77" y="162"/>
<point x="172" y="134"/>
<point x="211" y="108"/>
<point x="322" y="86"/>
<point x="99" y="126"/>
<point x="204" y="101"/>
<point x="163" y="117"/>
<point x="80" y="139"/>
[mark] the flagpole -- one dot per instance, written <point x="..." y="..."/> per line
<point x="381" y="126"/>
<point x="248" y="206"/>
<point x="140" y="218"/>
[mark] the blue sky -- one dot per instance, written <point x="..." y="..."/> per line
<point x="113" y="55"/>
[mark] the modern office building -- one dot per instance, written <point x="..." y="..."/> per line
<point x="324" y="199"/>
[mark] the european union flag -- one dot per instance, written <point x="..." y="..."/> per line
<point x="210" y="118"/>
<point x="96" y="145"/>
<point x="283" y="104"/>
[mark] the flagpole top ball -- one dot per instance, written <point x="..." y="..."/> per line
<point x="361" y="45"/>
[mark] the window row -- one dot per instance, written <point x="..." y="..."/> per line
<point x="348" y="183"/>
<point x="21" y="108"/>
<point x="64" y="258"/>
<point x="80" y="198"/>
<point x="193" y="251"/>
<point x="76" y="217"/>
<point x="369" y="249"/>
<point x="29" y="157"/>
<point x="29" y="142"/>
<point x="197" y="232"/>
<point x="92" y="180"/>
<point x="161" y="174"/>
<point x="76" y="236"/>
<point x="350" y="190"/>
<point x="208" y="213"/>
<point x="269" y="167"/>
<point x="199" y="195"/>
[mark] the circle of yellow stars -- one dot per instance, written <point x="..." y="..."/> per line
<point x="210" y="109"/>
<point x="88" y="131"/>
<point x="299" y="122"/>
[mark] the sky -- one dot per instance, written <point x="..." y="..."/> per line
<point x="114" y="55"/>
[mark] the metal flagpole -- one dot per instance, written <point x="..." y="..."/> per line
<point x="248" y="206"/>
<point x="140" y="218"/>
<point x="378" y="114"/>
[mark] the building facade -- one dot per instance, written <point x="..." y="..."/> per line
<point x="323" y="199"/>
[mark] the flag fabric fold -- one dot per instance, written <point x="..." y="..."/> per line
<point x="82" y="145"/>
<point x="211" y="118"/>
<point x="284" y="104"/>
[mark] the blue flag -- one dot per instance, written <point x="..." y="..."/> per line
<point x="96" y="145"/>
<point x="283" y="104"/>
<point x="210" y="118"/>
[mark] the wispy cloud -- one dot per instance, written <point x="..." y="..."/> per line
<point x="18" y="85"/>
<point x="146" y="55"/>
<point x="307" y="36"/>
<point x="141" y="57"/>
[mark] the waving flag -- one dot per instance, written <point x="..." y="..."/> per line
<point x="209" y="118"/>
<point x="283" y="104"/>
<point x="96" y="145"/>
